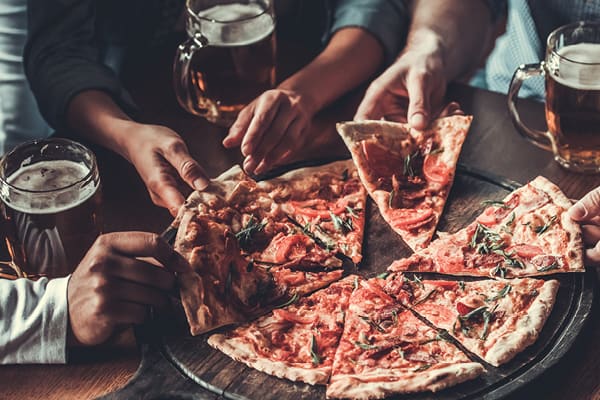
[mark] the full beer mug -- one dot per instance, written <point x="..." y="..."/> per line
<point x="50" y="191"/>
<point x="228" y="58"/>
<point x="572" y="74"/>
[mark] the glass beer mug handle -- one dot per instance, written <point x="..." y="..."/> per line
<point x="181" y="70"/>
<point x="539" y="138"/>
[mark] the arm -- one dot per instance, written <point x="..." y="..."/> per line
<point x="359" y="42"/>
<point x="33" y="321"/>
<point x="111" y="288"/>
<point x="76" y="92"/>
<point x="446" y="39"/>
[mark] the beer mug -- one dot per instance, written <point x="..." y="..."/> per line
<point x="50" y="192"/>
<point x="228" y="58"/>
<point x="572" y="74"/>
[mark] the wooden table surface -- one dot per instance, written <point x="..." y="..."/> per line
<point x="492" y="145"/>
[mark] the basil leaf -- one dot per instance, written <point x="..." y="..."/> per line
<point x="314" y="351"/>
<point x="502" y="293"/>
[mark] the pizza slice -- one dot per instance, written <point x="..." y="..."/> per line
<point x="495" y="319"/>
<point x="529" y="233"/>
<point x="327" y="203"/>
<point x="386" y="350"/>
<point x="408" y="173"/>
<point x="297" y="342"/>
<point x="221" y="287"/>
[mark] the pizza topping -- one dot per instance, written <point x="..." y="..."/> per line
<point x="461" y="285"/>
<point x="246" y="235"/>
<point x="423" y="368"/>
<point x="463" y="309"/>
<point x="291" y="301"/>
<point x="481" y="313"/>
<point x="435" y="170"/>
<point x="526" y="251"/>
<point x="505" y="290"/>
<point x="408" y="167"/>
<point x="285" y="315"/>
<point x="485" y="240"/>
<point x="410" y="219"/>
<point x="545" y="263"/>
<point x="428" y="295"/>
<point x="543" y="228"/>
<point x="496" y="203"/>
<point x="383" y="275"/>
<point x="371" y="323"/>
<point x="314" y="351"/>
<point x="342" y="225"/>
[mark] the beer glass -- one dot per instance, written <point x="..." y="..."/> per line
<point x="572" y="74"/>
<point x="228" y="58"/>
<point x="50" y="192"/>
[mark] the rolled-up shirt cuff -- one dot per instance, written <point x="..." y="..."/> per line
<point x="387" y="21"/>
<point x="35" y="331"/>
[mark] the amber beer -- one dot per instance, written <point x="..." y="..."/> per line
<point x="51" y="211"/>
<point x="573" y="104"/>
<point x="236" y="62"/>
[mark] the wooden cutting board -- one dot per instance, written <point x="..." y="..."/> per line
<point x="226" y="378"/>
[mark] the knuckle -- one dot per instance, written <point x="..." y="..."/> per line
<point x="187" y="168"/>
<point x="175" y="146"/>
<point x="154" y="241"/>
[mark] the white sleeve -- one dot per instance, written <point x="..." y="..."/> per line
<point x="33" y="321"/>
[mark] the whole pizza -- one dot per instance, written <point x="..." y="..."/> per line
<point x="274" y="263"/>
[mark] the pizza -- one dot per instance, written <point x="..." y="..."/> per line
<point x="248" y="253"/>
<point x="297" y="342"/>
<point x="386" y="350"/>
<point x="495" y="319"/>
<point x="529" y="233"/>
<point x="328" y="203"/>
<point x="407" y="172"/>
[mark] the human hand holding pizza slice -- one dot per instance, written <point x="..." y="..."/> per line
<point x="587" y="212"/>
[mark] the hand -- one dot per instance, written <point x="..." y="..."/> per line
<point x="587" y="212"/>
<point x="270" y="129"/>
<point x="111" y="288"/>
<point x="162" y="159"/>
<point x="412" y="89"/>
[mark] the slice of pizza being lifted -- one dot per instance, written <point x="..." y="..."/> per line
<point x="408" y="173"/>
<point x="495" y="319"/>
<point x="385" y="350"/>
<point x="529" y="233"/>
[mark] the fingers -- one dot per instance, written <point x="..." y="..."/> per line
<point x="277" y="135"/>
<point x="188" y="169"/>
<point x="586" y="208"/>
<point x="370" y="106"/>
<point x="591" y="234"/>
<point x="141" y="272"/>
<point x="419" y="94"/>
<point x="264" y="112"/>
<point x="127" y="313"/>
<point x="453" y="108"/>
<point x="284" y="148"/>
<point x="140" y="294"/>
<point x="239" y="127"/>
<point x="143" y="244"/>
<point x="166" y="195"/>
<point x="592" y="255"/>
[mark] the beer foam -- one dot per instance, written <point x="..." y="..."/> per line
<point x="579" y="76"/>
<point x="259" y="24"/>
<point x="48" y="178"/>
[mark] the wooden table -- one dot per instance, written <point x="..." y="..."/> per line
<point x="492" y="145"/>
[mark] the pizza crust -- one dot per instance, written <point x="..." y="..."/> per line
<point x="527" y="329"/>
<point x="243" y="352"/>
<point x="382" y="383"/>
<point x="574" y="251"/>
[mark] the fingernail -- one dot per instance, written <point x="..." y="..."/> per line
<point x="200" y="184"/>
<point x="260" y="169"/>
<point x="418" y="121"/>
<point x="245" y="150"/>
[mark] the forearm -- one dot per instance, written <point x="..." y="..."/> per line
<point x="351" y="57"/>
<point x="457" y="32"/>
<point x="33" y="321"/>
<point x="94" y="115"/>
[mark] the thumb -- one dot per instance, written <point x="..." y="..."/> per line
<point x="188" y="169"/>
<point x="586" y="208"/>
